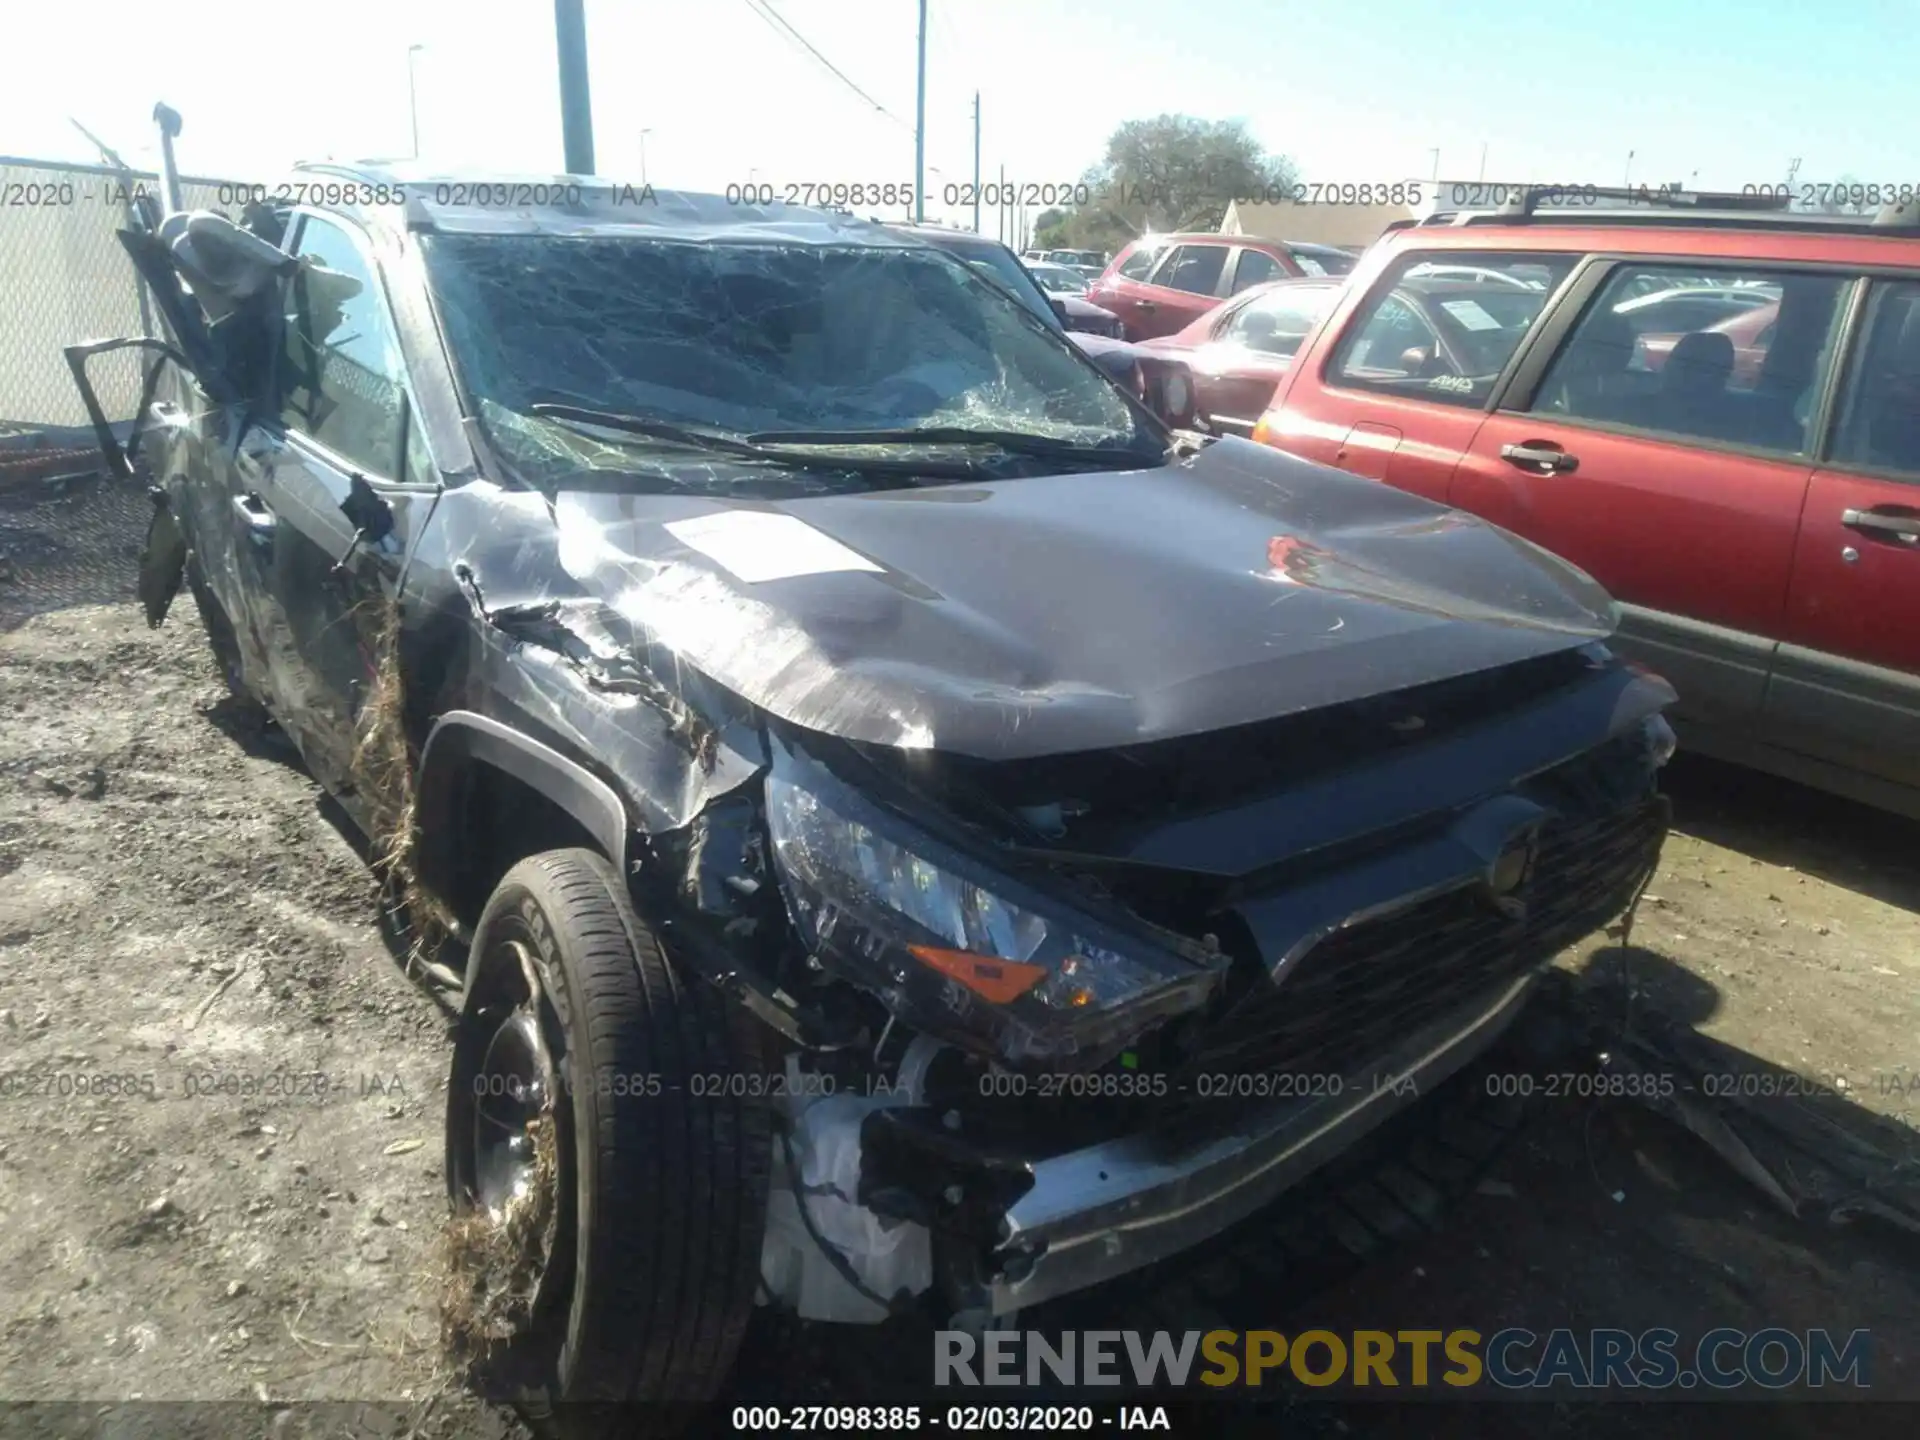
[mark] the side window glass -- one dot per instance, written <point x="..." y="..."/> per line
<point x="1444" y="330"/>
<point x="1735" y="355"/>
<point x="1193" y="268"/>
<point x="1879" y="425"/>
<point x="1255" y="267"/>
<point x="342" y="378"/>
<point x="419" y="462"/>
<point x="1277" y="323"/>
<point x="1139" y="264"/>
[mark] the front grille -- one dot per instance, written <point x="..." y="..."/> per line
<point x="1362" y="990"/>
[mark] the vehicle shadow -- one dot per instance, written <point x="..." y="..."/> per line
<point x="249" y="727"/>
<point x="1842" y="842"/>
<point x="1666" y="1180"/>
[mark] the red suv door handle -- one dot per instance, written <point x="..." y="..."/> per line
<point x="1541" y="457"/>
<point x="1892" y="527"/>
<point x="1146" y="304"/>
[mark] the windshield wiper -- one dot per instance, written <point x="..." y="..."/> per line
<point x="693" y="436"/>
<point x="752" y="447"/>
<point x="1014" y="441"/>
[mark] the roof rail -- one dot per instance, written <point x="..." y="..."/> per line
<point x="1527" y="199"/>
<point x="1568" y="205"/>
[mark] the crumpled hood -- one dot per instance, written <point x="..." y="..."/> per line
<point x="1040" y="616"/>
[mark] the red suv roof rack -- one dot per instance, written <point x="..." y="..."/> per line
<point x="1564" y="205"/>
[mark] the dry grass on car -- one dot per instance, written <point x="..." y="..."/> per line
<point x="383" y="768"/>
<point x="492" y="1266"/>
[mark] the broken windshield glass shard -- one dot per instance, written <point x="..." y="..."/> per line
<point x="757" y="546"/>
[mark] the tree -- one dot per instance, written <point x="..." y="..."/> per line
<point x="1050" y="229"/>
<point x="1173" y="172"/>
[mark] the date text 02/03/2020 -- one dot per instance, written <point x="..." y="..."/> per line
<point x="956" y="1419"/>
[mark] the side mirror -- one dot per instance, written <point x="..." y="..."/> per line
<point x="1059" y="307"/>
<point x="1167" y="388"/>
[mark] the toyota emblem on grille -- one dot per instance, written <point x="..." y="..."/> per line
<point x="1506" y="878"/>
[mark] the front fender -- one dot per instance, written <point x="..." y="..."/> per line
<point x="461" y="737"/>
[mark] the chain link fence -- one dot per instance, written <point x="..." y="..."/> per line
<point x="66" y="537"/>
<point x="64" y="278"/>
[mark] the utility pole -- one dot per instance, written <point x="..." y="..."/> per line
<point x="1435" y="152"/>
<point x="976" y="162"/>
<point x="920" y="128"/>
<point x="643" y="156"/>
<point x="1003" y="204"/>
<point x="576" y="105"/>
<point x="1626" y="176"/>
<point x="413" y="97"/>
<point x="1483" y="159"/>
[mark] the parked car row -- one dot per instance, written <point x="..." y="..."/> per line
<point x="1088" y="264"/>
<point x="1160" y="284"/>
<point x="1159" y="379"/>
<point x="1715" y="417"/>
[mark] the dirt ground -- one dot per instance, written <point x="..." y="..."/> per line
<point x="220" y="1148"/>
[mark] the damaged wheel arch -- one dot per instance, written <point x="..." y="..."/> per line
<point x="462" y="754"/>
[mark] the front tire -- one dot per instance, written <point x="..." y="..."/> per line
<point x="636" y="1266"/>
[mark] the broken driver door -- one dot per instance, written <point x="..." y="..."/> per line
<point x="215" y="286"/>
<point x="337" y="488"/>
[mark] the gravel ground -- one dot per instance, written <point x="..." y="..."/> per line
<point x="220" y="1153"/>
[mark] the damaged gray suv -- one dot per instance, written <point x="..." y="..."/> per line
<point x="912" y="833"/>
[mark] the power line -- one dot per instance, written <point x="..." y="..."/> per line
<point x="764" y="9"/>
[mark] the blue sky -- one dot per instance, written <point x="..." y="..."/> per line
<point x="1711" y="93"/>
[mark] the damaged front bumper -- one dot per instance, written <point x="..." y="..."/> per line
<point x="1098" y="1213"/>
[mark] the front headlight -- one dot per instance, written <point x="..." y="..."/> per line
<point x="953" y="953"/>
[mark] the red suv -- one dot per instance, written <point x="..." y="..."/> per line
<point x="1716" y="414"/>
<point x="1163" y="283"/>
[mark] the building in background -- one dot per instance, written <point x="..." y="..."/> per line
<point x="1348" y="226"/>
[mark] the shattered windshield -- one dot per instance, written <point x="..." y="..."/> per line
<point x="751" y="338"/>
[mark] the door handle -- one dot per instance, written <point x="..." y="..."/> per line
<point x="1905" y="528"/>
<point x="1541" y="457"/>
<point x="1146" y="304"/>
<point x="256" y="521"/>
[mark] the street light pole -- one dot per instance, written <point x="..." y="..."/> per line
<point x="576" y="105"/>
<point x="976" y="162"/>
<point x="920" y="128"/>
<point x="643" y="157"/>
<point x="413" y="97"/>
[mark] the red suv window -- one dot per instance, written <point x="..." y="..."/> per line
<point x="1880" y="414"/>
<point x="1699" y="359"/>
<point x="1444" y="330"/>
<point x="1193" y="268"/>
<point x="1139" y="262"/>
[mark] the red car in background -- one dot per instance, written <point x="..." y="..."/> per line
<point x="1750" y="330"/>
<point x="1714" y="412"/>
<point x="1160" y="284"/>
<point x="1237" y="352"/>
